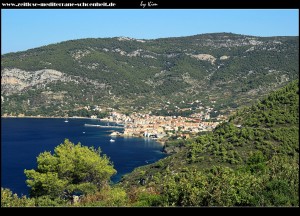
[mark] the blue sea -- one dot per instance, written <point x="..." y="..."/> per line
<point x="23" y="139"/>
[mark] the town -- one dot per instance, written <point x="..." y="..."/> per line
<point x="163" y="127"/>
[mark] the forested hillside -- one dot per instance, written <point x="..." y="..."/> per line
<point x="223" y="69"/>
<point x="251" y="160"/>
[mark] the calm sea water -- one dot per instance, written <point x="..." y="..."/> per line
<point x="22" y="140"/>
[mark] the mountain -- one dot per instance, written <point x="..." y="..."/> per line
<point x="251" y="160"/>
<point x="224" y="70"/>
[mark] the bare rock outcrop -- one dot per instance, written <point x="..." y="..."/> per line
<point x="15" y="80"/>
<point x="204" y="57"/>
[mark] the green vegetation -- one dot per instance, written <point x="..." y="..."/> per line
<point x="251" y="160"/>
<point x="86" y="113"/>
<point x="72" y="171"/>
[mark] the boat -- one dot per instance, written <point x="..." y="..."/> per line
<point x="66" y="120"/>
<point x="112" y="140"/>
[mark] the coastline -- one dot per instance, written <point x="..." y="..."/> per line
<point x="50" y="117"/>
<point x="61" y="117"/>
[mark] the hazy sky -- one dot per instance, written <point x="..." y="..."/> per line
<point x="24" y="29"/>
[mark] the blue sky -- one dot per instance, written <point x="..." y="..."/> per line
<point x="25" y="29"/>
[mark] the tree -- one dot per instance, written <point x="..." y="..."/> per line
<point x="72" y="169"/>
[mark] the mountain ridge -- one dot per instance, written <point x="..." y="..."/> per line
<point x="141" y="75"/>
<point x="151" y="39"/>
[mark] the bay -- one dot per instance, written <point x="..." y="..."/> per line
<point x="23" y="139"/>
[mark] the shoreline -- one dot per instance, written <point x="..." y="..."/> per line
<point x="60" y="117"/>
<point x="43" y="117"/>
